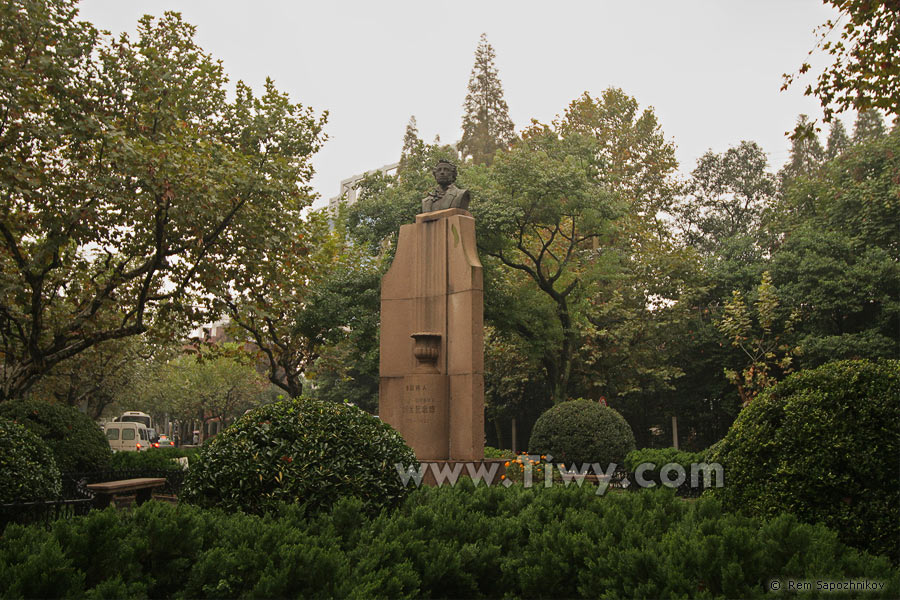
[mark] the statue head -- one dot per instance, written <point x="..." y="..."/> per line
<point x="444" y="172"/>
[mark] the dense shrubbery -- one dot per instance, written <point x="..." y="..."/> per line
<point x="582" y="431"/>
<point x="304" y="451"/>
<point x="491" y="452"/>
<point x="155" y="459"/>
<point x="823" y="444"/>
<point x="463" y="542"/>
<point x="27" y="468"/>
<point x="660" y="457"/>
<point x="76" y="441"/>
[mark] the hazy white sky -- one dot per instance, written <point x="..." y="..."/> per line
<point x="710" y="69"/>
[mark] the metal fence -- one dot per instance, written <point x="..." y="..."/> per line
<point x="77" y="500"/>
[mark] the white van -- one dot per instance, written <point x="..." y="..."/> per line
<point x="127" y="437"/>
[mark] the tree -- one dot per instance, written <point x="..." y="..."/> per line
<point x="215" y="383"/>
<point x="866" y="69"/>
<point x="838" y="140"/>
<point x="486" y="124"/>
<point x="838" y="264"/>
<point x="633" y="157"/>
<point x="806" y="156"/>
<point x="728" y="193"/>
<point x="127" y="179"/>
<point x="412" y="144"/>
<point x="346" y="369"/>
<point x="540" y="211"/>
<point x="869" y="125"/>
<point x="769" y="353"/>
<point x="101" y="377"/>
<point x="284" y="301"/>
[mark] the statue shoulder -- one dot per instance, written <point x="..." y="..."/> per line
<point x="461" y="197"/>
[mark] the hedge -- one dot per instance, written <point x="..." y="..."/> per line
<point x="77" y="443"/>
<point x="442" y="542"/>
<point x="28" y="470"/>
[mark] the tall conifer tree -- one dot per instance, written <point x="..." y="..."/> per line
<point x="807" y="154"/>
<point x="486" y="124"/>
<point x="838" y="140"/>
<point x="412" y="144"/>
<point x="869" y="125"/>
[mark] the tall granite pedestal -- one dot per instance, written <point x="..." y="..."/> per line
<point x="432" y="339"/>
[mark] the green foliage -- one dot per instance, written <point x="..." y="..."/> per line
<point x="728" y="193"/>
<point x="822" y="445"/>
<point x="218" y="381"/>
<point x="807" y="154"/>
<point x="869" y="125"/>
<point x="581" y="431"/>
<point x="76" y="441"/>
<point x="839" y="264"/>
<point x="291" y="306"/>
<point x="865" y="70"/>
<point x="767" y="352"/>
<point x="542" y="242"/>
<point x="838" y="140"/>
<point x="345" y="308"/>
<point x="633" y="156"/>
<point x="156" y="459"/>
<point x="662" y="456"/>
<point x="490" y="452"/>
<point x="449" y="542"/>
<point x="28" y="470"/>
<point x="131" y="177"/>
<point x="304" y="451"/>
<point x="486" y="125"/>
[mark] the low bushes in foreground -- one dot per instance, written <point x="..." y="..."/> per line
<point x="441" y="542"/>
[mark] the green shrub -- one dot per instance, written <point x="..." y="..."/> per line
<point x="491" y="452"/>
<point x="27" y="468"/>
<point x="823" y="445"/>
<point x="155" y="459"/>
<point x="468" y="542"/>
<point x="77" y="443"/>
<point x="660" y="457"/>
<point x="304" y="450"/>
<point x="582" y="431"/>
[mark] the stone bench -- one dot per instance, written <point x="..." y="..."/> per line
<point x="142" y="488"/>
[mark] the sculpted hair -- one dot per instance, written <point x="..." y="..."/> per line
<point x="446" y="162"/>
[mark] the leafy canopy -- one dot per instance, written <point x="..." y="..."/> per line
<point x="127" y="179"/>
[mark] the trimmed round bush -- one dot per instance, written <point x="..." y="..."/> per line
<point x="28" y="471"/>
<point x="300" y="451"/>
<point x="77" y="443"/>
<point x="582" y="431"/>
<point x="823" y="445"/>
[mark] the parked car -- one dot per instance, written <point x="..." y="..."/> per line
<point x="163" y="442"/>
<point x="127" y="437"/>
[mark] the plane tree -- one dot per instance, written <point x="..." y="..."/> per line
<point x="127" y="178"/>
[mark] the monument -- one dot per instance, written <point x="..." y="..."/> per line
<point x="432" y="339"/>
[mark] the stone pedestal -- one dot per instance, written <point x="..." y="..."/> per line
<point x="432" y="338"/>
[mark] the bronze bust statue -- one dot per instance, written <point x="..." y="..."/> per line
<point x="446" y="195"/>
